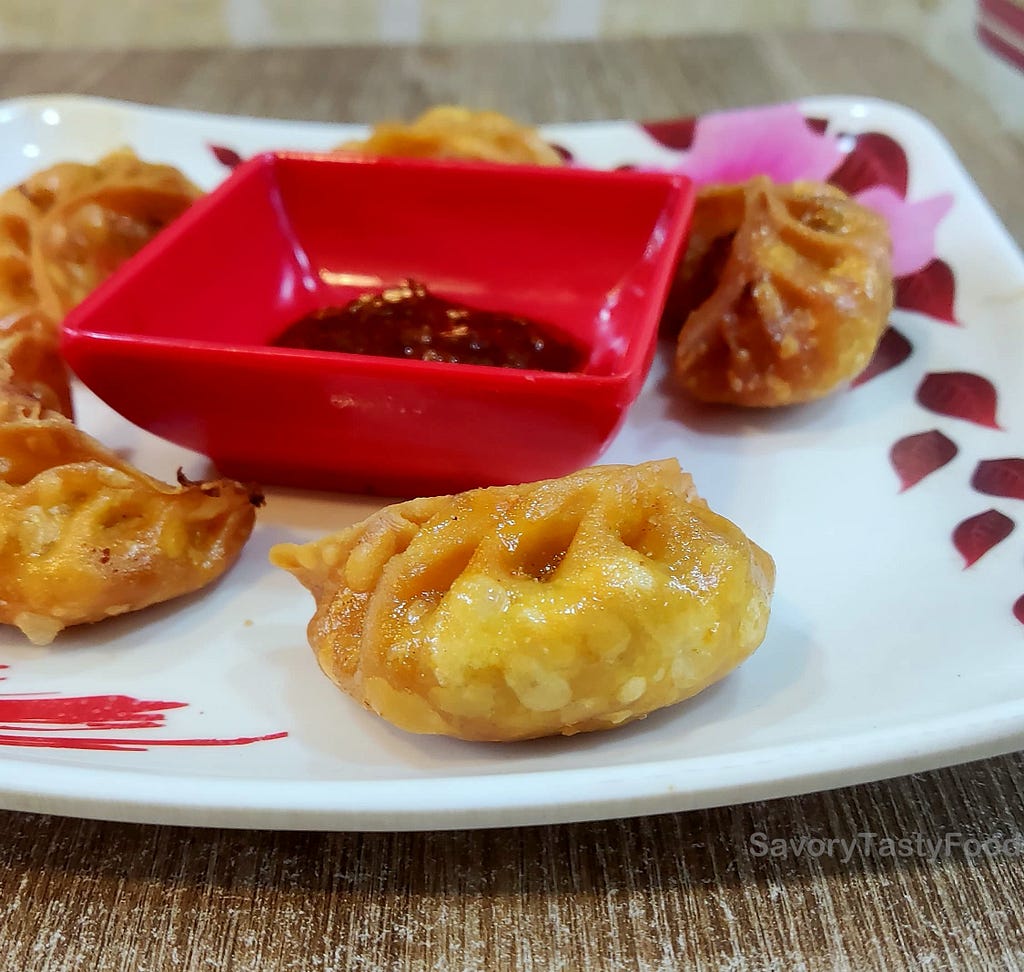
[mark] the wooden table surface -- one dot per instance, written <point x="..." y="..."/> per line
<point x="678" y="891"/>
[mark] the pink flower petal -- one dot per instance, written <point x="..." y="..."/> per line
<point x="776" y="141"/>
<point x="912" y="225"/>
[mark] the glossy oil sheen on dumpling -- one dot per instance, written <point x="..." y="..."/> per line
<point x="84" y="535"/>
<point x="782" y="295"/>
<point x="554" y="607"/>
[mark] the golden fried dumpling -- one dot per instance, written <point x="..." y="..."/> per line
<point x="515" y="612"/>
<point x="29" y="339"/>
<point x="452" y="132"/>
<point x="85" y="536"/>
<point x="29" y="344"/>
<point x="63" y="231"/>
<point x="95" y="222"/>
<point x="782" y="295"/>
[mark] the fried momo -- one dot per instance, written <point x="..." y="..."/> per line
<point x="782" y="295"/>
<point x="62" y="232"/>
<point x="29" y="339"/>
<point x="85" y="536"/>
<point x="29" y="344"/>
<point x="451" y="132"/>
<point x="561" y="606"/>
<point x="93" y="218"/>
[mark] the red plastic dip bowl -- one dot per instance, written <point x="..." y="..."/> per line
<point x="177" y="341"/>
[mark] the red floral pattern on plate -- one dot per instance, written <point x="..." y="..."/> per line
<point x="226" y="156"/>
<point x="1000" y="477"/>
<point x="960" y="394"/>
<point x="931" y="290"/>
<point x="916" y="456"/>
<point x="674" y="133"/>
<point x="977" y="535"/>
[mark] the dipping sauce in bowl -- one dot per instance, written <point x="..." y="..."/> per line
<point x="407" y="321"/>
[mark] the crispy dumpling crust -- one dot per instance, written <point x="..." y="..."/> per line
<point x="63" y="231"/>
<point x="561" y="606"/>
<point x="782" y="295"/>
<point x="29" y="345"/>
<point x="85" y="536"/>
<point x="452" y="132"/>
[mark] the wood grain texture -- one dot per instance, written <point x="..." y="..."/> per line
<point x="662" y="893"/>
<point x="677" y="891"/>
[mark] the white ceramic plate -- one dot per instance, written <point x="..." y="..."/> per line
<point x="884" y="654"/>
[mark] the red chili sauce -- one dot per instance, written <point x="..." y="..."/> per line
<point x="409" y="322"/>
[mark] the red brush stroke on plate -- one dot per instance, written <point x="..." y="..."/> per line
<point x="917" y="456"/>
<point x="960" y="394"/>
<point x="1018" y="609"/>
<point x="33" y="720"/>
<point x="82" y="712"/>
<point x="1000" y="477"/>
<point x="874" y="160"/>
<point x="977" y="535"/>
<point x="893" y="349"/>
<point x="226" y="156"/>
<point x="931" y="291"/>
<point x="123" y="745"/>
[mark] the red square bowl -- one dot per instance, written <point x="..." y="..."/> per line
<point x="178" y="340"/>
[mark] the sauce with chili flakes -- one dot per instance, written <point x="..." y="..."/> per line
<point x="407" y="321"/>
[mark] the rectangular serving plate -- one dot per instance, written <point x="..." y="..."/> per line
<point x="884" y="655"/>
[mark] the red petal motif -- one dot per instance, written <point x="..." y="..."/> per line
<point x="1000" y="477"/>
<point x="977" y="535"/>
<point x="931" y="291"/>
<point x="676" y="133"/>
<point x="226" y="156"/>
<point x="1018" y="609"/>
<point x="875" y="160"/>
<point x="893" y="349"/>
<point x="562" y="151"/>
<point x="960" y="394"/>
<point x="917" y="456"/>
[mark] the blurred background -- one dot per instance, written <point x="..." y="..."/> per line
<point x="980" y="41"/>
